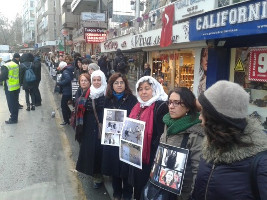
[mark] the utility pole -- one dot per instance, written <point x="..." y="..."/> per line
<point x="137" y="8"/>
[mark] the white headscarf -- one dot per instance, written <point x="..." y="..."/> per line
<point x="97" y="92"/>
<point x="158" y="92"/>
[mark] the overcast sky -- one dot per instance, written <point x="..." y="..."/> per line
<point x="10" y="8"/>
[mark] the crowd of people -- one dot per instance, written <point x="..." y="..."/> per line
<point x="221" y="139"/>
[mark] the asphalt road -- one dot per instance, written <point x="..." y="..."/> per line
<point x="37" y="155"/>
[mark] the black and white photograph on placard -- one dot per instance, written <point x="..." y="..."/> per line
<point x="169" y="168"/>
<point x="112" y="139"/>
<point x="114" y="127"/>
<point x="133" y="131"/>
<point x="115" y="115"/>
<point x="113" y="121"/>
<point x="131" y="154"/>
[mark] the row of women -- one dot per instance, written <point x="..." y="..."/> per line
<point x="221" y="140"/>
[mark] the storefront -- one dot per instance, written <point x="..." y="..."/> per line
<point x="176" y="64"/>
<point x="241" y="59"/>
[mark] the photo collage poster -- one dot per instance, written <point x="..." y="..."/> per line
<point x="131" y="145"/>
<point x="169" y="168"/>
<point x="113" y="121"/>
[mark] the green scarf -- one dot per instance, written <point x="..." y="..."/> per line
<point x="176" y="126"/>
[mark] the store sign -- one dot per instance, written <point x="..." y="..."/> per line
<point x="89" y="16"/>
<point x="258" y="65"/>
<point x="94" y="35"/>
<point x="242" y="19"/>
<point x="111" y="45"/>
<point x="188" y="8"/>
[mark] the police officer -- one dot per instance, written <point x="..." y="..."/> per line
<point x="10" y="76"/>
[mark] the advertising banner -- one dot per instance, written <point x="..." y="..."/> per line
<point x="258" y="65"/>
<point x="94" y="35"/>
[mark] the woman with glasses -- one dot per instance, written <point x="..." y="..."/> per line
<point x="151" y="108"/>
<point x="183" y="124"/>
<point x="118" y="96"/>
<point x="90" y="155"/>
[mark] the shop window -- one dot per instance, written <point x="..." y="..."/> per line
<point x="250" y="71"/>
<point x="174" y="68"/>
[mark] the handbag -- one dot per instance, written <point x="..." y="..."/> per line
<point x="98" y="123"/>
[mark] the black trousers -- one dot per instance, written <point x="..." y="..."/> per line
<point x="12" y="98"/>
<point x="121" y="188"/>
<point x="66" y="112"/>
<point x="28" y="93"/>
<point x="37" y="93"/>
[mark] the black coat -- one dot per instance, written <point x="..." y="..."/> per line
<point x="37" y="68"/>
<point x="111" y="164"/>
<point x="27" y="85"/>
<point x="138" y="178"/>
<point x="147" y="72"/>
<point x="65" y="82"/>
<point x="90" y="155"/>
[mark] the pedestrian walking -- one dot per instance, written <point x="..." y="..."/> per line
<point x="65" y="84"/>
<point x="10" y="76"/>
<point x="104" y="65"/>
<point x="120" y="63"/>
<point x="90" y="154"/>
<point x="151" y="108"/>
<point x="26" y="66"/>
<point x="118" y="96"/>
<point x="147" y="70"/>
<point x="180" y="123"/>
<point x="227" y="169"/>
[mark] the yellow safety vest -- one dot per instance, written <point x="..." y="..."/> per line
<point x="13" y="76"/>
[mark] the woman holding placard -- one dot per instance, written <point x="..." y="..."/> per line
<point x="90" y="155"/>
<point x="183" y="129"/>
<point x="118" y="96"/>
<point x="151" y="108"/>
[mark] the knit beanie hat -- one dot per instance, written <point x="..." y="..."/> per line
<point x="226" y="101"/>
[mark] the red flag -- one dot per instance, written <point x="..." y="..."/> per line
<point x="167" y="22"/>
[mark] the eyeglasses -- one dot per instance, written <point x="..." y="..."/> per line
<point x="118" y="83"/>
<point x="175" y="103"/>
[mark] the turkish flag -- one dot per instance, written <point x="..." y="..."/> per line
<point x="167" y="22"/>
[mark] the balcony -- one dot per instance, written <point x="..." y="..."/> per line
<point x="78" y="6"/>
<point x="68" y="20"/>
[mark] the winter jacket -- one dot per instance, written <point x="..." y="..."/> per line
<point x="194" y="145"/>
<point x="37" y="68"/>
<point x="147" y="72"/>
<point x="66" y="78"/>
<point x="226" y="176"/>
<point x="26" y="85"/>
<point x="111" y="164"/>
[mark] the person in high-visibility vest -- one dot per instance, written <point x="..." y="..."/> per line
<point x="10" y="76"/>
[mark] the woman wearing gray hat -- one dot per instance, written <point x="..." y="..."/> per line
<point x="232" y="142"/>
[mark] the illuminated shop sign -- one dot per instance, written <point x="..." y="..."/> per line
<point x="242" y="19"/>
<point x="258" y="65"/>
<point x="94" y="35"/>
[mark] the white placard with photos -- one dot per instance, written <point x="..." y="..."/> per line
<point x="113" y="121"/>
<point x="169" y="168"/>
<point x="131" y="145"/>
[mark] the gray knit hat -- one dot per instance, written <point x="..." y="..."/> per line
<point x="226" y="101"/>
<point x="93" y="66"/>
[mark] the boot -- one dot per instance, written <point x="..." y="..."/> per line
<point x="28" y="108"/>
<point x="33" y="107"/>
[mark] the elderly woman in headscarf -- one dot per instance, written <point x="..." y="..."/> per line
<point x="151" y="108"/>
<point x="90" y="155"/>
